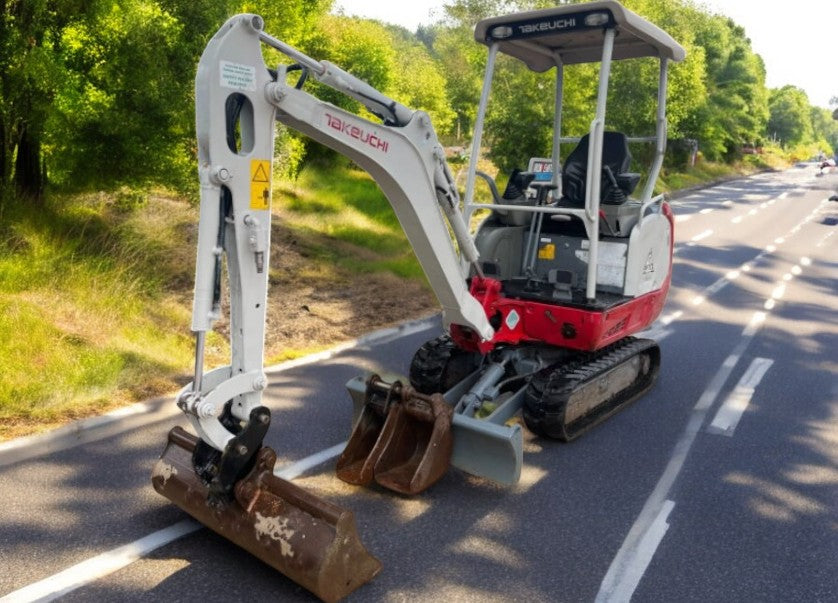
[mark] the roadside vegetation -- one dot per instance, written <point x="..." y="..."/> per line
<point x="98" y="195"/>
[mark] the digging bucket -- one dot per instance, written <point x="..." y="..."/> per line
<point x="357" y="461"/>
<point x="402" y="439"/>
<point x="311" y="541"/>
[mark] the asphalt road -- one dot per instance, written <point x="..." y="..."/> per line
<point x="721" y="484"/>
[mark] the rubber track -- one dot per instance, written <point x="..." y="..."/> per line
<point x="439" y="365"/>
<point x="550" y="390"/>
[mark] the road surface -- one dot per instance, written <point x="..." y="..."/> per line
<point x="721" y="484"/>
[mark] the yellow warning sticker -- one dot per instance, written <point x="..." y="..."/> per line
<point x="547" y="252"/>
<point x="260" y="184"/>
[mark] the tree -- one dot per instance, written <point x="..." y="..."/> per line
<point x="790" y="120"/>
<point x="30" y="45"/>
<point x="735" y="109"/>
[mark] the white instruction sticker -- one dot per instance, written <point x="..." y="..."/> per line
<point x="237" y="76"/>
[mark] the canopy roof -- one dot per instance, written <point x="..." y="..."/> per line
<point x="573" y="33"/>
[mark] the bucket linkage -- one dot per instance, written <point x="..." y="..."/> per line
<point x="402" y="439"/>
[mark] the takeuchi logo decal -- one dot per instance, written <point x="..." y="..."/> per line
<point x="352" y="131"/>
<point x="531" y="28"/>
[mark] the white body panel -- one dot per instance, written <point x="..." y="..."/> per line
<point x="647" y="265"/>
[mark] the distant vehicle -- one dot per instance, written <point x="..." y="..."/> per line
<point x="825" y="166"/>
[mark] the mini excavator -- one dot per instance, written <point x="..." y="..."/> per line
<point x="540" y="305"/>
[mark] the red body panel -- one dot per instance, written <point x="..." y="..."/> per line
<point x="519" y="320"/>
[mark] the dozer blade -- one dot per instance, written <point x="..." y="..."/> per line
<point x="402" y="439"/>
<point x="311" y="541"/>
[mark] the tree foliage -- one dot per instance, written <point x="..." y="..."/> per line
<point x="791" y="118"/>
<point x="98" y="93"/>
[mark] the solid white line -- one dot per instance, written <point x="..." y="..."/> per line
<point x="97" y="567"/>
<point x="377" y="337"/>
<point x="297" y="469"/>
<point x="100" y="566"/>
<point x="732" y="409"/>
<point x="628" y="576"/>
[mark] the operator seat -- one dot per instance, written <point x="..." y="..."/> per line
<point x="617" y="183"/>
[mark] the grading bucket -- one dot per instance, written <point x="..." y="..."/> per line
<point x="402" y="439"/>
<point x="311" y="541"/>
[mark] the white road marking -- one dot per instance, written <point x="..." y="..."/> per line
<point x="628" y="577"/>
<point x="97" y="567"/>
<point x="297" y="469"/>
<point x="702" y="236"/>
<point x="682" y="218"/>
<point x="656" y="332"/>
<point x="737" y="219"/>
<point x="731" y="410"/>
<point x="669" y="318"/>
<point x="622" y="570"/>
<point x="824" y="240"/>
<point x="706" y="210"/>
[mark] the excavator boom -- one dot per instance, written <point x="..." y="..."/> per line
<point x="219" y="475"/>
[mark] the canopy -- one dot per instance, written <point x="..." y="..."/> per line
<point x="572" y="33"/>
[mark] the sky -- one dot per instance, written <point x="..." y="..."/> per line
<point x="798" y="41"/>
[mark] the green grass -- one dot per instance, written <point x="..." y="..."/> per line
<point x="87" y="319"/>
<point x="347" y="221"/>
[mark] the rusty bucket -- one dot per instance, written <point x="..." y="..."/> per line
<point x="402" y="439"/>
<point x="311" y="541"/>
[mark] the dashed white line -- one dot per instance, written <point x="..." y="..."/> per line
<point x="620" y="582"/>
<point x="701" y="236"/>
<point x="732" y="409"/>
<point x="620" y="578"/>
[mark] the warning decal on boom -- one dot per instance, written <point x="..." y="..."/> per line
<point x="260" y="184"/>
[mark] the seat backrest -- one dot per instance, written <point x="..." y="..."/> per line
<point x="615" y="155"/>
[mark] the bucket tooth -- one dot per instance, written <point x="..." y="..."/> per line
<point x="313" y="542"/>
<point x="402" y="439"/>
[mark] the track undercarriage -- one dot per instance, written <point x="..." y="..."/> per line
<point x="560" y="394"/>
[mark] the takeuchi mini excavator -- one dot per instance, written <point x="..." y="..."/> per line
<point x="539" y="305"/>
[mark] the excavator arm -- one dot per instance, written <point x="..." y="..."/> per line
<point x="238" y="100"/>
